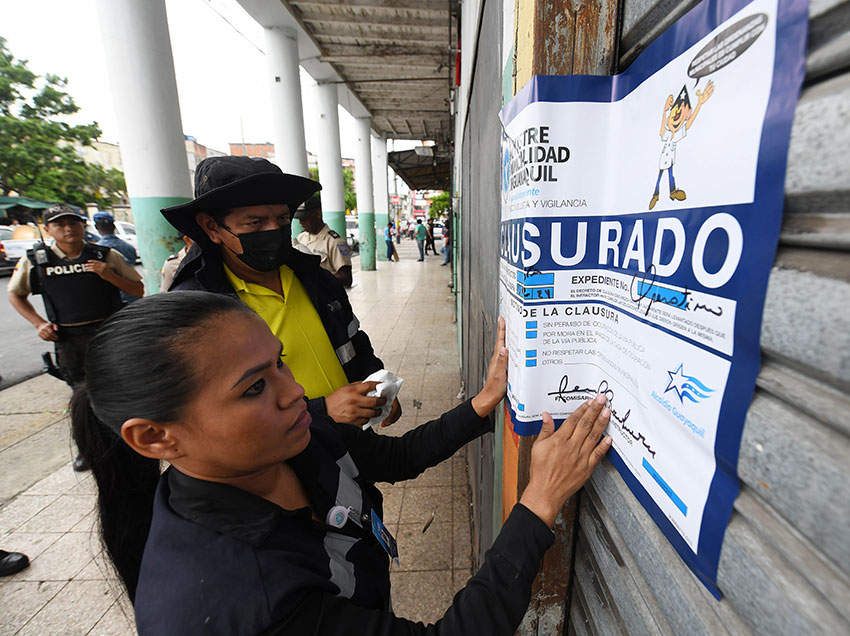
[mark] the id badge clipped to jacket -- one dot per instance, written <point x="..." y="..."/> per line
<point x="384" y="537"/>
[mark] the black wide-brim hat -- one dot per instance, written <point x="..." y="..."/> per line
<point x="224" y="183"/>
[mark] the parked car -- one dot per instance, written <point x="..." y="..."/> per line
<point x="123" y="230"/>
<point x="127" y="232"/>
<point x="6" y="263"/>
<point x="16" y="248"/>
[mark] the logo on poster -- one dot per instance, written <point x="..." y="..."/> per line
<point x="687" y="386"/>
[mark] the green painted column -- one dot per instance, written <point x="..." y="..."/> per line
<point x="140" y="69"/>
<point x="336" y="221"/>
<point x="366" y="223"/>
<point x="156" y="237"/>
<point x="380" y="185"/>
<point x="363" y="187"/>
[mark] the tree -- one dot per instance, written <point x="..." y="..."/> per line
<point x="38" y="156"/>
<point x="347" y="186"/>
<point x="348" y="189"/>
<point x="439" y="205"/>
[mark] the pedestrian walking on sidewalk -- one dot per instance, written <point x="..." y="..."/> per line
<point x="388" y="239"/>
<point x="268" y="519"/>
<point x="447" y="244"/>
<point x="429" y="237"/>
<point x="420" y="235"/>
<point x="80" y="284"/>
<point x="240" y="220"/>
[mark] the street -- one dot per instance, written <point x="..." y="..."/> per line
<point x="20" y="353"/>
<point x="21" y="348"/>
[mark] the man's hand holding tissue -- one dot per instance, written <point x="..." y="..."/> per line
<point x="351" y="405"/>
<point x="496" y="383"/>
<point x="395" y="413"/>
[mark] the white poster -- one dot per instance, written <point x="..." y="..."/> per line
<point x="640" y="215"/>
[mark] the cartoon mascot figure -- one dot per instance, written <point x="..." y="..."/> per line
<point x="676" y="119"/>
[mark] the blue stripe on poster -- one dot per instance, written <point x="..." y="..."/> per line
<point x="665" y="487"/>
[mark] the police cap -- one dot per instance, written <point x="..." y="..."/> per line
<point x="310" y="205"/>
<point x="103" y="217"/>
<point x="59" y="210"/>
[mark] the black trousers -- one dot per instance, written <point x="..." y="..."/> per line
<point x="71" y="350"/>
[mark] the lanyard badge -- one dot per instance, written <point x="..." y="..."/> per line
<point x="338" y="516"/>
<point x="387" y="541"/>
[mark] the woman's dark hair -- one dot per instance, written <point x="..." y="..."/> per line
<point x="138" y="365"/>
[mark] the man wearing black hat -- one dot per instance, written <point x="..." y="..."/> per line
<point x="323" y="241"/>
<point x="240" y="222"/>
<point x="80" y="284"/>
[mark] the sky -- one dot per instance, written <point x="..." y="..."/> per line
<point x="220" y="99"/>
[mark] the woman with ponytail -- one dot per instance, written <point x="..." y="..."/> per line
<point x="267" y="520"/>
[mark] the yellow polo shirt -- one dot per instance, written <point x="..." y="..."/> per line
<point x="293" y="319"/>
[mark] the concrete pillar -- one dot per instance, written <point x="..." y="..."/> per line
<point x="379" y="181"/>
<point x="363" y="185"/>
<point x="290" y="148"/>
<point x="140" y="68"/>
<point x="330" y="157"/>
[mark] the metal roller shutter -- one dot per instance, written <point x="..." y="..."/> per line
<point x="785" y="564"/>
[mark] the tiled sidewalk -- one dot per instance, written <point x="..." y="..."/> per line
<point x="407" y="310"/>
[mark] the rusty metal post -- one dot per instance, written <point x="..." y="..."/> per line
<point x="561" y="37"/>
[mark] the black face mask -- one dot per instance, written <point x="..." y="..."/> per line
<point x="264" y="251"/>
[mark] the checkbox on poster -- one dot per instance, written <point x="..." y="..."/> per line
<point x="530" y="334"/>
<point x="531" y="324"/>
<point x="531" y="353"/>
<point x="531" y="363"/>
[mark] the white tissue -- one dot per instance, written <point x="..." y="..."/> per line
<point x="388" y="387"/>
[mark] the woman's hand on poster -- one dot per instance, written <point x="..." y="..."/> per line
<point x="563" y="460"/>
<point x="496" y="383"/>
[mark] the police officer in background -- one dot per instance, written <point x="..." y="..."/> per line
<point x="169" y="267"/>
<point x="323" y="241"/>
<point x="104" y="222"/>
<point x="80" y="284"/>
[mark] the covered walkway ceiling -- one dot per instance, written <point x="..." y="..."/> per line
<point x="393" y="59"/>
<point x="422" y="171"/>
<point x="394" y="55"/>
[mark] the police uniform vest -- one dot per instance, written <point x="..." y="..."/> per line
<point x="71" y="294"/>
